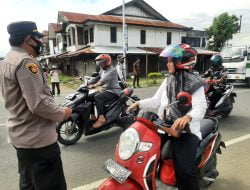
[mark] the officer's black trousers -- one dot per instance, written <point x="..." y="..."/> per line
<point x="41" y="169"/>
<point x="57" y="85"/>
<point x="185" y="149"/>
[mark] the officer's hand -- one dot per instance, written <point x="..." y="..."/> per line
<point x="67" y="113"/>
<point x="181" y="123"/>
<point x="132" y="107"/>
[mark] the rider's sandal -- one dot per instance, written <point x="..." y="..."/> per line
<point x="98" y="124"/>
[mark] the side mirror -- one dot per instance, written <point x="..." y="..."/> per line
<point x="80" y="79"/>
<point x="245" y="53"/>
<point x="184" y="98"/>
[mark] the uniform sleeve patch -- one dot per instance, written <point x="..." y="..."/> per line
<point x="33" y="68"/>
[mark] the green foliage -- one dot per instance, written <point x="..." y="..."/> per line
<point x="154" y="76"/>
<point x="222" y="29"/>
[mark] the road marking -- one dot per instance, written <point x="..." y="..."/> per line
<point x="240" y="91"/>
<point x="236" y="140"/>
<point x="3" y="124"/>
<point x="96" y="184"/>
<point x="90" y="186"/>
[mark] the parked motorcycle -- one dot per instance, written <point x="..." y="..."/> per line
<point x="222" y="104"/>
<point x="71" y="130"/>
<point x="143" y="160"/>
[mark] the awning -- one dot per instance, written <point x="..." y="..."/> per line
<point x="203" y="51"/>
<point x="200" y="51"/>
<point x="105" y="49"/>
<point x="119" y="50"/>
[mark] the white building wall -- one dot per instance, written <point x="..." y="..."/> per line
<point x="241" y="39"/>
<point x="155" y="37"/>
<point x="51" y="47"/>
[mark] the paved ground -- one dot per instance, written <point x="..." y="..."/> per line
<point x="83" y="161"/>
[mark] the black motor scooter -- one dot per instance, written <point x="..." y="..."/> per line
<point x="71" y="130"/>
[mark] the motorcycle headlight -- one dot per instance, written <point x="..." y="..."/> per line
<point x="128" y="143"/>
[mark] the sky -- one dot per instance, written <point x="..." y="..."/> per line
<point x="198" y="14"/>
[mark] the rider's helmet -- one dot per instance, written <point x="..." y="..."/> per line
<point x="103" y="60"/>
<point x="120" y="58"/>
<point x="183" y="56"/>
<point x="216" y="60"/>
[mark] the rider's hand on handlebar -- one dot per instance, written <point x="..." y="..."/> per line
<point x="90" y="86"/>
<point x="181" y="123"/>
<point x="171" y="132"/>
<point x="67" y="113"/>
<point x="132" y="107"/>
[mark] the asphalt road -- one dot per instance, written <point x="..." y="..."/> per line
<point x="83" y="161"/>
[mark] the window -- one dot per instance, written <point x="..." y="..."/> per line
<point x="248" y="56"/>
<point x="192" y="41"/>
<point x="80" y="35"/>
<point x="113" y="34"/>
<point x="69" y="40"/>
<point x="143" y="36"/>
<point x="86" y="37"/>
<point x="91" y="34"/>
<point x="73" y="36"/>
<point x="203" y="43"/>
<point x="169" y="38"/>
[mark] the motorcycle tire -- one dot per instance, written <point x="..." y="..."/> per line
<point x="63" y="137"/>
<point x="229" y="103"/>
<point x="210" y="172"/>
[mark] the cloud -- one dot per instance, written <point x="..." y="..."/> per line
<point x="193" y="13"/>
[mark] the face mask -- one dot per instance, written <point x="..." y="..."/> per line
<point x="38" y="47"/>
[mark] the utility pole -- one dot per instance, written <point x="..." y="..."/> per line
<point x="125" y="38"/>
<point x="240" y="23"/>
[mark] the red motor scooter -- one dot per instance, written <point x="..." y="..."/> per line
<point x="143" y="161"/>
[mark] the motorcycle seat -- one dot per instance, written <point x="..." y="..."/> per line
<point x="207" y="126"/>
<point x="108" y="104"/>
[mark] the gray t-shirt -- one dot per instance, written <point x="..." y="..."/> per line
<point x="110" y="79"/>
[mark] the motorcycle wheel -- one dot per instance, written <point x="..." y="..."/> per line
<point x="229" y="103"/>
<point x="210" y="172"/>
<point x="66" y="137"/>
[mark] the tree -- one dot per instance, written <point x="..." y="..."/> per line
<point x="222" y="29"/>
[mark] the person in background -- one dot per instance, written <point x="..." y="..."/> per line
<point x="216" y="75"/>
<point x="121" y="70"/>
<point x="136" y="72"/>
<point x="55" y="80"/>
<point x="33" y="111"/>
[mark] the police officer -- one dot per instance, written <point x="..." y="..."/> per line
<point x="33" y="112"/>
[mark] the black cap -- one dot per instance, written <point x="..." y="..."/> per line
<point x="23" y="28"/>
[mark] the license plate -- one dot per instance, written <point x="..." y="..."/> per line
<point x="237" y="77"/>
<point x="118" y="172"/>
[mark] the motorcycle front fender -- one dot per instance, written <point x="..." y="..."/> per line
<point x="111" y="184"/>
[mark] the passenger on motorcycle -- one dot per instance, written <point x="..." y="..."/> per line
<point x="180" y="59"/>
<point x="108" y="79"/>
<point x="216" y="75"/>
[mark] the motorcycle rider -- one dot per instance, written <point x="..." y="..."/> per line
<point x="217" y="75"/>
<point x="180" y="59"/>
<point x="108" y="80"/>
<point x="121" y="70"/>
